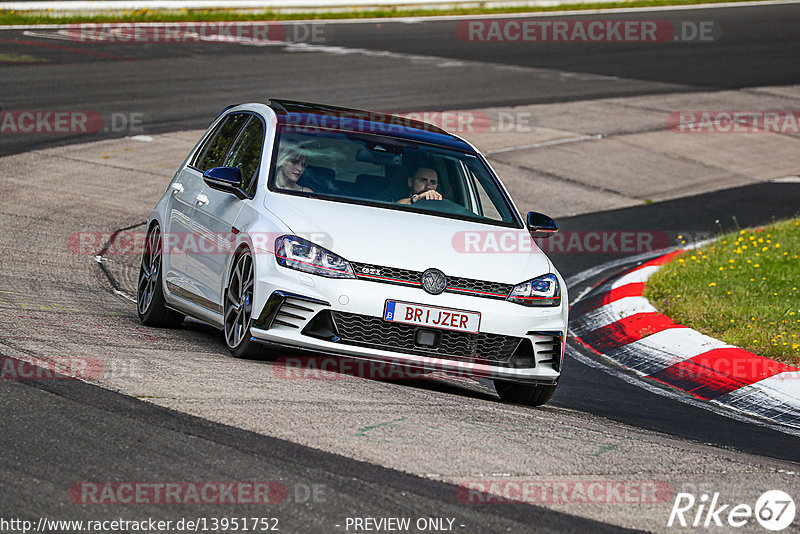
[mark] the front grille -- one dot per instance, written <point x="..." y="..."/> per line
<point x="478" y="288"/>
<point x="356" y="329"/>
<point x="406" y="277"/>
<point x="387" y="275"/>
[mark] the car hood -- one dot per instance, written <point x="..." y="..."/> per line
<point x="407" y="240"/>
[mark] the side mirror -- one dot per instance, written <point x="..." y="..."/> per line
<point x="227" y="179"/>
<point x="540" y="225"/>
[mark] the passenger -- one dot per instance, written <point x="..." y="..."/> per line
<point x="422" y="186"/>
<point x="291" y="165"/>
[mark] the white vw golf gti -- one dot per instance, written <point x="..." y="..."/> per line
<point x="302" y="226"/>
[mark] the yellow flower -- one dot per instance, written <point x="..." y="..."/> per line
<point x="712" y="284"/>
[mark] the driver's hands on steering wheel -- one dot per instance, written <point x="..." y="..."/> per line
<point x="430" y="194"/>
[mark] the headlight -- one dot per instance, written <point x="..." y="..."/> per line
<point x="302" y="255"/>
<point x="542" y="291"/>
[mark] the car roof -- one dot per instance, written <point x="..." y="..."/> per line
<point x="306" y="114"/>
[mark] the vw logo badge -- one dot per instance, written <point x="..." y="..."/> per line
<point x="434" y="281"/>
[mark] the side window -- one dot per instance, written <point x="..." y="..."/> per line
<point x="213" y="154"/>
<point x="246" y="154"/>
<point x="487" y="206"/>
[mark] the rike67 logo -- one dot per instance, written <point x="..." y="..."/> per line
<point x="774" y="510"/>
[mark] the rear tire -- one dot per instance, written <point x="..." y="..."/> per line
<point x="527" y="394"/>
<point x="150" y="302"/>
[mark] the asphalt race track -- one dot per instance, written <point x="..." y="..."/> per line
<point x="368" y="448"/>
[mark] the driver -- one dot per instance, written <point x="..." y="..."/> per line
<point x="422" y="186"/>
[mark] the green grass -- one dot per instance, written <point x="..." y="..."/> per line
<point x="743" y="289"/>
<point x="213" y="15"/>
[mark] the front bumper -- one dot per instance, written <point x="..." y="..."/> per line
<point x="344" y="318"/>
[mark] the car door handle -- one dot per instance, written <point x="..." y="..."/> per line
<point x="176" y="187"/>
<point x="201" y="199"/>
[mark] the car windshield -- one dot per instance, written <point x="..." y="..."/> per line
<point x="390" y="173"/>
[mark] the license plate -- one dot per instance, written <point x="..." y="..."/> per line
<point x="432" y="316"/>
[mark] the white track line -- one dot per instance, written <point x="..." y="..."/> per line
<point x="545" y="144"/>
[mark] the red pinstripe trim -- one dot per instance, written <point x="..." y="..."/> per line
<point x="389" y="279"/>
<point x="476" y="291"/>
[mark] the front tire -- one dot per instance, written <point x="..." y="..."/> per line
<point x="238" y="308"/>
<point x="150" y="302"/>
<point x="527" y="394"/>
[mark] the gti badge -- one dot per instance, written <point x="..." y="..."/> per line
<point x="434" y="281"/>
